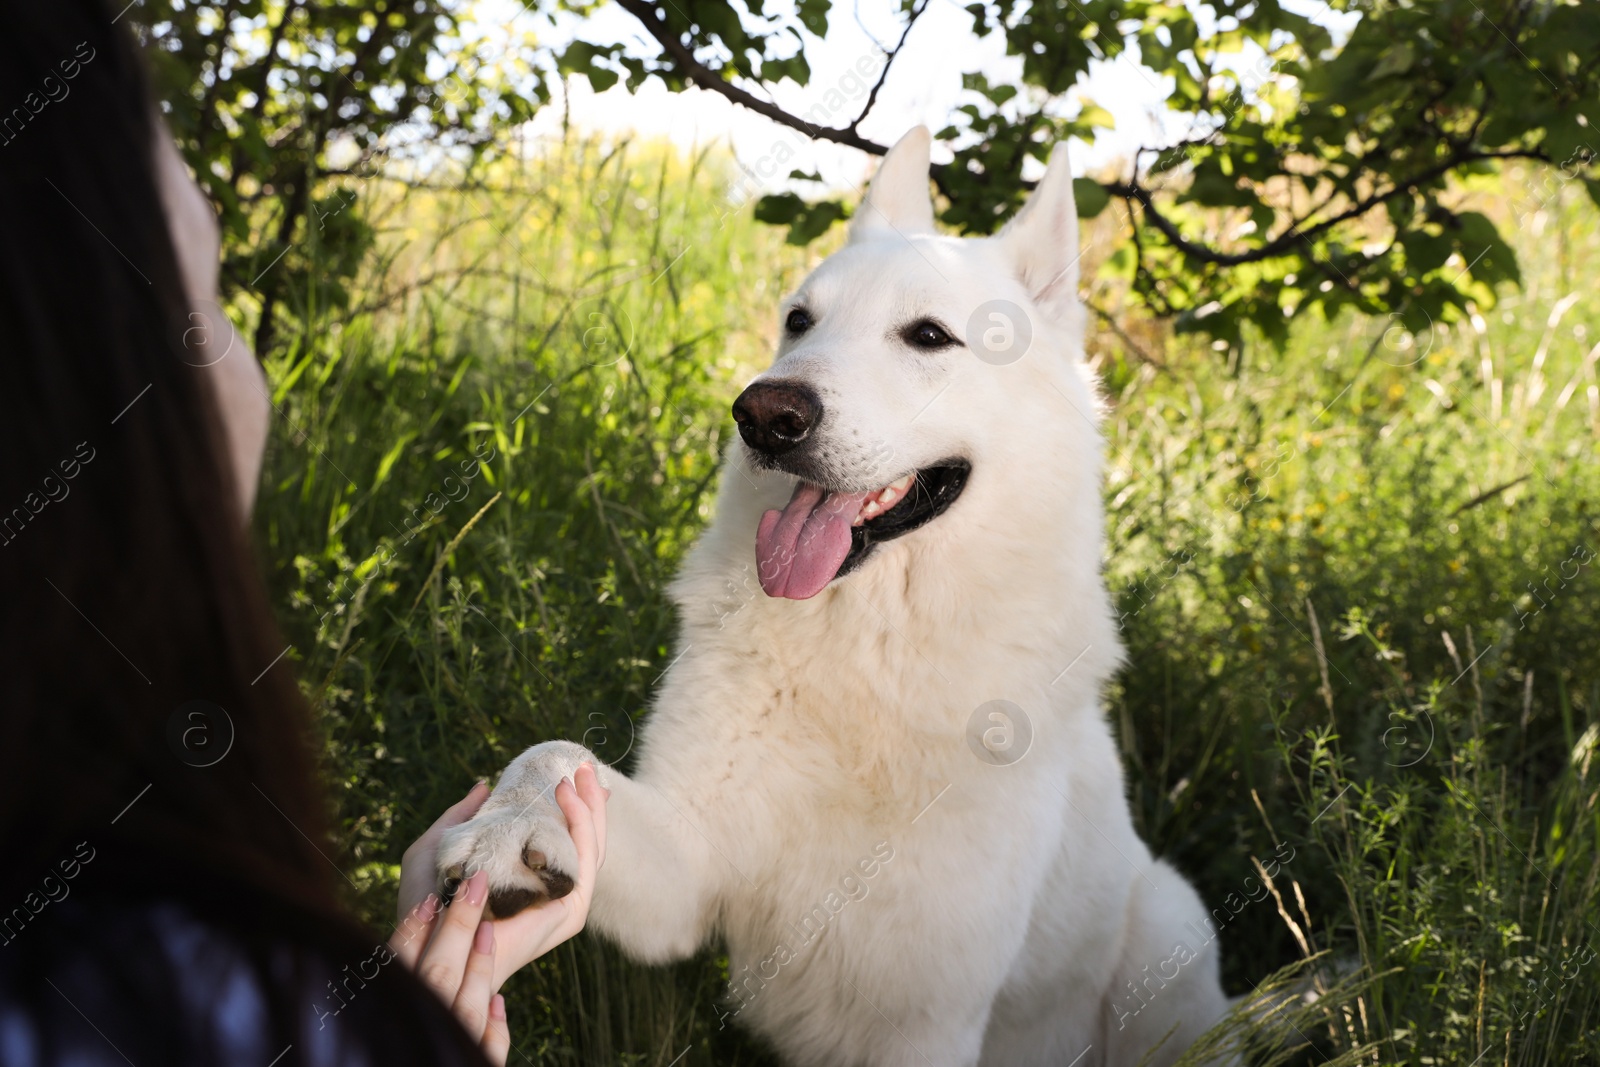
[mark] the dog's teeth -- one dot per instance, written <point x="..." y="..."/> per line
<point x="887" y="497"/>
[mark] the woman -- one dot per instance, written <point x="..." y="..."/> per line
<point x="154" y="906"/>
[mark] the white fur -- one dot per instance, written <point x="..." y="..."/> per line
<point x="796" y="746"/>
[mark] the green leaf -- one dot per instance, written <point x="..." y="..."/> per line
<point x="581" y="57"/>
<point x="815" y="220"/>
<point x="601" y="78"/>
<point x="1396" y="59"/>
<point x="1120" y="263"/>
<point x="806" y="222"/>
<point x="1568" y="142"/>
<point x="1090" y="196"/>
<point x="779" y="209"/>
<point x="1489" y="258"/>
<point x="814" y="16"/>
<point x="1096" y="116"/>
<point x="1425" y="252"/>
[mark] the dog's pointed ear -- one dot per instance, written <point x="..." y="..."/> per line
<point x="1042" y="240"/>
<point x="898" y="198"/>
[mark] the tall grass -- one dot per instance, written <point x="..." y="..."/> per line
<point x="573" y="345"/>
<point x="1333" y="564"/>
<point x="1323" y="557"/>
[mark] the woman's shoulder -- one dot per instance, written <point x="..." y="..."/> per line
<point x="97" y="980"/>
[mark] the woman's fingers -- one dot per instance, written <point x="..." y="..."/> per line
<point x="471" y="1005"/>
<point x="458" y="962"/>
<point x="594" y="795"/>
<point x="581" y="826"/>
<point x="411" y="936"/>
<point x="417" y="866"/>
<point x="497" y="1037"/>
<point x="444" y="961"/>
<point x="587" y="839"/>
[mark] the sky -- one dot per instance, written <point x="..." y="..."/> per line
<point x="924" y="86"/>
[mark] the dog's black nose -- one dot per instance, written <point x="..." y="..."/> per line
<point x="774" y="417"/>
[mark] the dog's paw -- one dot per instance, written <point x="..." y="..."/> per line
<point x="519" y="836"/>
<point x="530" y="859"/>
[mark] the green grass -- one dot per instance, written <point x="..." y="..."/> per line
<point x="1276" y="520"/>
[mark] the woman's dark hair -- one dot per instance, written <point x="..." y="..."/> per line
<point x="131" y="591"/>
<point x="128" y="573"/>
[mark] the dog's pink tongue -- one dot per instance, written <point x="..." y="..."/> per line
<point x="801" y="548"/>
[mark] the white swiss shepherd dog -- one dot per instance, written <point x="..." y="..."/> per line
<point x="904" y="871"/>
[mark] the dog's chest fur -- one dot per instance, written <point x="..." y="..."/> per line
<point x="902" y="860"/>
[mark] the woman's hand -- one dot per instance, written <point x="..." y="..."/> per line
<point x="453" y="951"/>
<point x="515" y="941"/>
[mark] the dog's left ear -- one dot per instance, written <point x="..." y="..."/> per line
<point x="1042" y="240"/>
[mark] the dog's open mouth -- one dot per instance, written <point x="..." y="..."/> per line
<point x="820" y="535"/>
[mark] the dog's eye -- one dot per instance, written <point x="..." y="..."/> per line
<point x="927" y="334"/>
<point x="799" y="321"/>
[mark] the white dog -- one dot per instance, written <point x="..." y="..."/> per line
<point x="883" y="777"/>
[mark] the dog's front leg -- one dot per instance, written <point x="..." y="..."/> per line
<point x="653" y="895"/>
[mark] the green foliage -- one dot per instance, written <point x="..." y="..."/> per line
<point x="1315" y="171"/>
<point x="276" y="102"/>
<point x="806" y="222"/>
<point x="1089" y="196"/>
<point x="1439" y="797"/>
<point x="1296" y="142"/>
<point x="1360" y="621"/>
<point x="757" y="45"/>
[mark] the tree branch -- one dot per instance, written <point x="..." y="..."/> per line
<point x="698" y="73"/>
<point x="872" y="97"/>
<point x="1132" y="346"/>
<point x="1281" y="245"/>
<point x="1152" y="289"/>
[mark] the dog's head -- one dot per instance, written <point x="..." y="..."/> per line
<point x="909" y="361"/>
